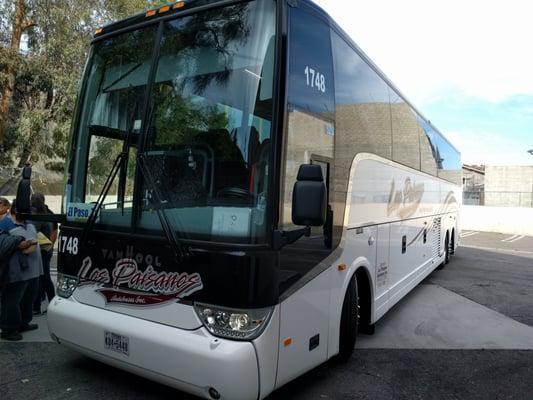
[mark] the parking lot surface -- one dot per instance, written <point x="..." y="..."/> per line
<point x="501" y="241"/>
<point x="465" y="333"/>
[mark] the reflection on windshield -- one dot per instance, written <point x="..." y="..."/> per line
<point x="209" y="135"/>
<point x="114" y="88"/>
<point x="207" y="129"/>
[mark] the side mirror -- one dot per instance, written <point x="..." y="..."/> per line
<point x="24" y="191"/>
<point x="309" y="197"/>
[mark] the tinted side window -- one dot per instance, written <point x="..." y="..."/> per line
<point x="310" y="69"/>
<point x="309" y="137"/>
<point x="363" y="117"/>
<point x="428" y="148"/>
<point x="405" y="136"/>
<point x="449" y="161"/>
<point x="362" y="104"/>
<point x="311" y="129"/>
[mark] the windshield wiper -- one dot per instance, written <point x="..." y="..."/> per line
<point x="99" y="202"/>
<point x="180" y="252"/>
<point x="121" y="159"/>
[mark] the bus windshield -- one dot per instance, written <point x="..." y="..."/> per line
<point x="198" y="115"/>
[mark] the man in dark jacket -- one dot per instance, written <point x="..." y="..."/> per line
<point x="20" y="272"/>
<point x="8" y="245"/>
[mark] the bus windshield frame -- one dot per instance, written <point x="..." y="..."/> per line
<point x="193" y="96"/>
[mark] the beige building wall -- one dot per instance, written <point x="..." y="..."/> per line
<point x="405" y="136"/>
<point x="510" y="186"/>
<point x="360" y="128"/>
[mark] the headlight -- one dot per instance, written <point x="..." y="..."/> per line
<point x="66" y="285"/>
<point x="233" y="323"/>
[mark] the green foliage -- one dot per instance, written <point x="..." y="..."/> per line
<point x="56" y="166"/>
<point x="48" y="70"/>
<point x="178" y="120"/>
<point x="104" y="152"/>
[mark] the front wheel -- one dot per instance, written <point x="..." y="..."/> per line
<point x="349" y="322"/>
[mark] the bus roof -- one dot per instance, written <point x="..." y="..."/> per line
<point x="155" y="14"/>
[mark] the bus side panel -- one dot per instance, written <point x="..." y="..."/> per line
<point x="409" y="254"/>
<point x="304" y="321"/>
<point x="266" y="347"/>
<point x="403" y="203"/>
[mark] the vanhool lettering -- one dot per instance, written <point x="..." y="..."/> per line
<point x="140" y="258"/>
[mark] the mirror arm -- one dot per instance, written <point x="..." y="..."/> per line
<point x="283" y="238"/>
<point x="59" y="218"/>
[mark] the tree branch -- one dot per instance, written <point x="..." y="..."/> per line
<point x="27" y="23"/>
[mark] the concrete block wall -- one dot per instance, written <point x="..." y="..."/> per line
<point x="509" y="186"/>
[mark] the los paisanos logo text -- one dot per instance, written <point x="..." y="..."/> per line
<point x="164" y="286"/>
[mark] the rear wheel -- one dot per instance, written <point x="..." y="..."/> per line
<point x="452" y="243"/>
<point x="349" y="321"/>
<point x="446" y="252"/>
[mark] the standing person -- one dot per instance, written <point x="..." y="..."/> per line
<point x="8" y="245"/>
<point x="21" y="280"/>
<point x="4" y="207"/>
<point x="49" y="230"/>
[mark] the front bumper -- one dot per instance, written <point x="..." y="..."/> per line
<point x="193" y="361"/>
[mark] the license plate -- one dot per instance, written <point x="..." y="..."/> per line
<point x="118" y="343"/>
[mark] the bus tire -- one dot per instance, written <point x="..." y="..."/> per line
<point x="452" y="243"/>
<point x="447" y="249"/>
<point x="349" y="322"/>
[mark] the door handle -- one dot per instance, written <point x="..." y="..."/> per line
<point x="371" y="240"/>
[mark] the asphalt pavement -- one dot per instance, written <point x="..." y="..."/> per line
<point x="465" y="333"/>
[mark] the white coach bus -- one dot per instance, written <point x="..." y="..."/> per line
<point x="245" y="193"/>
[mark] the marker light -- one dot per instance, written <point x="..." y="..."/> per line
<point x="97" y="31"/>
<point x="151" y="13"/>
<point x="232" y="323"/>
<point x="179" y="4"/>
<point x="164" y="9"/>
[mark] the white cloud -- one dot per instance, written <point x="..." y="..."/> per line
<point x="490" y="148"/>
<point x="480" y="48"/>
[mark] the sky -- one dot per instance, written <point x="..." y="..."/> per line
<point x="467" y="65"/>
